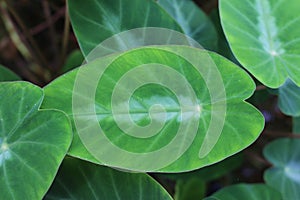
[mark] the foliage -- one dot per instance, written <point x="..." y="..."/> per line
<point x="141" y="110"/>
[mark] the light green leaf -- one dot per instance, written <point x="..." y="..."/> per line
<point x="296" y="125"/>
<point x="7" y="75"/>
<point x="237" y="86"/>
<point x="289" y="98"/>
<point x="194" y="22"/>
<point x="33" y="142"/>
<point x="246" y="192"/>
<point x="96" y="20"/>
<point x="284" y="176"/>
<point x="82" y="180"/>
<point x="264" y="37"/>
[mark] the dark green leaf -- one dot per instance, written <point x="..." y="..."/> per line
<point x="82" y="180"/>
<point x="94" y="21"/>
<point x="193" y="21"/>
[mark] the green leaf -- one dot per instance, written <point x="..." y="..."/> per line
<point x="82" y="180"/>
<point x="75" y="59"/>
<point x="33" y="142"/>
<point x="189" y="189"/>
<point x="284" y="176"/>
<point x="289" y="98"/>
<point x="296" y="125"/>
<point x="7" y="75"/>
<point x="194" y="22"/>
<point x="235" y="86"/>
<point x="264" y="37"/>
<point x="96" y="20"/>
<point x="246" y="192"/>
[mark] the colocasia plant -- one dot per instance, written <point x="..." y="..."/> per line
<point x="166" y="99"/>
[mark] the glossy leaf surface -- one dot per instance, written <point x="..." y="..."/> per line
<point x="99" y="182"/>
<point x="237" y="84"/>
<point x="96" y="20"/>
<point x="264" y="37"/>
<point x="284" y="176"/>
<point x="193" y="21"/>
<point x="33" y="142"/>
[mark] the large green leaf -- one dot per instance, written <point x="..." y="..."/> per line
<point x="82" y="180"/>
<point x="289" y="98"/>
<point x="193" y="21"/>
<point x="33" y="142"/>
<point x="7" y="75"/>
<point x="218" y="100"/>
<point x="284" y="176"/>
<point x="246" y="192"/>
<point x="264" y="37"/>
<point x="94" y="21"/>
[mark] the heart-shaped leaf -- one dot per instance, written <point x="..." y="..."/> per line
<point x="202" y="109"/>
<point x="94" y="21"/>
<point x="193" y="21"/>
<point x="285" y="173"/>
<point x="33" y="142"/>
<point x="98" y="182"/>
<point x="246" y="192"/>
<point x="289" y="98"/>
<point x="7" y="75"/>
<point x="264" y="37"/>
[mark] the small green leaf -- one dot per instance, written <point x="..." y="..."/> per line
<point x="33" y="142"/>
<point x="94" y="21"/>
<point x="264" y="37"/>
<point x="284" y="176"/>
<point x="82" y="180"/>
<point x="289" y="98"/>
<point x="7" y="75"/>
<point x="246" y="192"/>
<point x="194" y="22"/>
<point x="235" y="87"/>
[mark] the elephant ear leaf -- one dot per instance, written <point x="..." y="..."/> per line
<point x="33" y="142"/>
<point x="264" y="37"/>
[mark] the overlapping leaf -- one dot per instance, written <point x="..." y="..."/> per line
<point x="82" y="180"/>
<point x="264" y="37"/>
<point x="284" y="176"/>
<point x="33" y="142"/>
<point x="193" y="21"/>
<point x="96" y="20"/>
